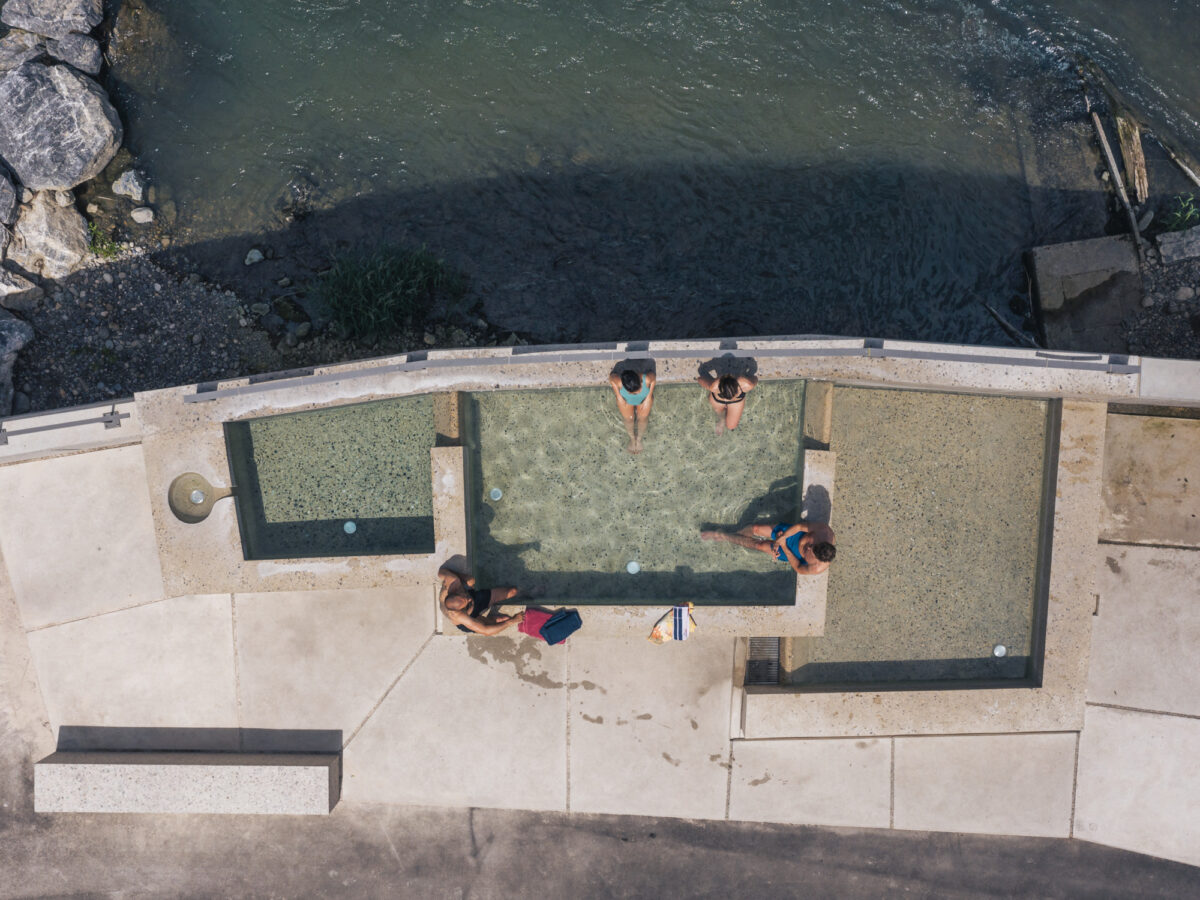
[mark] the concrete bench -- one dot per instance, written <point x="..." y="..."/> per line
<point x="245" y="783"/>
<point x="817" y="492"/>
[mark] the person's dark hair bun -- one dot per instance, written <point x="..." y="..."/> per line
<point x="824" y="551"/>
<point x="631" y="381"/>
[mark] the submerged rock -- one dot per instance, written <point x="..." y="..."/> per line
<point x="14" y="335"/>
<point x="59" y="129"/>
<point x="53" y="18"/>
<point x="49" y="239"/>
<point x="254" y="256"/>
<point x="18" y="292"/>
<point x="77" y="50"/>
<point x="143" y="215"/>
<point x="130" y="185"/>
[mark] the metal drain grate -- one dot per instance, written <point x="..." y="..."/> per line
<point x="762" y="662"/>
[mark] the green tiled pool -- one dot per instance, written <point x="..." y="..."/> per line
<point x="347" y="481"/>
<point x="576" y="508"/>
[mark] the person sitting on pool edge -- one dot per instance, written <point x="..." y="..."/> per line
<point x="470" y="608"/>
<point x="808" y="547"/>
<point x="727" y="396"/>
<point x="635" y="397"/>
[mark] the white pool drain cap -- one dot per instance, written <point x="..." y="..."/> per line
<point x="197" y="496"/>
<point x="495" y="493"/>
<point x="633" y="567"/>
<point x="350" y="528"/>
<point x="999" y="650"/>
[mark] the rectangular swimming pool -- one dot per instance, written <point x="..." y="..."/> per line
<point x="575" y="507"/>
<point x="347" y="481"/>
<point x="943" y="511"/>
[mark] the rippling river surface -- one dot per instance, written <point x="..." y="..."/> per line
<point x="649" y="169"/>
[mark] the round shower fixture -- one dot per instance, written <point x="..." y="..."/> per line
<point x="191" y="497"/>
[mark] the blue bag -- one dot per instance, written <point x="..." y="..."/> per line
<point x="560" y="626"/>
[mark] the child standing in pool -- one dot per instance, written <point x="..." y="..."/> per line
<point x="635" y="397"/>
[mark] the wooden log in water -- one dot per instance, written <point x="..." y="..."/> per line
<point x="1129" y="135"/>
<point x="1115" y="175"/>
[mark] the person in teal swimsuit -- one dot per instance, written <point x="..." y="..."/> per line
<point x="808" y="547"/>
<point x="635" y="397"/>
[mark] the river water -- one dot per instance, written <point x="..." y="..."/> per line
<point x="627" y="168"/>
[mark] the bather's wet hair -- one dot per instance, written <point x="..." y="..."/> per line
<point x="728" y="387"/>
<point x="824" y="551"/>
<point x="631" y="381"/>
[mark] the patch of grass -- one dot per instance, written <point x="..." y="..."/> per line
<point x="381" y="292"/>
<point x="1184" y="215"/>
<point x="102" y="244"/>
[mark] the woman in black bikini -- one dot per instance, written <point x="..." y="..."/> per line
<point x="727" y="396"/>
<point x="471" y="609"/>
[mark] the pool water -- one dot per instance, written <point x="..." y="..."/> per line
<point x="347" y="481"/>
<point x="938" y="510"/>
<point x="576" y="508"/>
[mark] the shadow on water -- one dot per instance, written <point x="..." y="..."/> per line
<point x="664" y="252"/>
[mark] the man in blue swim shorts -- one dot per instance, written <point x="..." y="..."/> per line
<point x="808" y="547"/>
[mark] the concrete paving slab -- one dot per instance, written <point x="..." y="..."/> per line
<point x="986" y="784"/>
<point x="1085" y="289"/>
<point x="1145" y="637"/>
<point x="650" y="726"/>
<point x="163" y="665"/>
<point x="78" y="536"/>
<point x="820" y="782"/>
<point x="1170" y="381"/>
<point x="476" y="722"/>
<point x="323" y="659"/>
<point x="1139" y="785"/>
<point x="1152" y="480"/>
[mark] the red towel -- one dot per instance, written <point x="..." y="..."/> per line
<point x="533" y="622"/>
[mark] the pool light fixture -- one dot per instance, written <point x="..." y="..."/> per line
<point x="349" y="528"/>
<point x="196" y="496"/>
<point x="495" y="493"/>
<point x="999" y="650"/>
<point x="633" y="567"/>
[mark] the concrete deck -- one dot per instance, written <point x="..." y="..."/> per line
<point x="120" y="614"/>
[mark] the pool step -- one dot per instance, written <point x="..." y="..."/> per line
<point x="818" y="414"/>
<point x="446" y="419"/>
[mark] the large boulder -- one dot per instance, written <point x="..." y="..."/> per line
<point x="58" y="128"/>
<point x="53" y="18"/>
<point x="78" y="50"/>
<point x="14" y="335"/>
<point x="49" y="239"/>
<point x="8" y="200"/>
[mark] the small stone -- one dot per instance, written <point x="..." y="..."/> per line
<point x="102" y="332"/>
<point x="290" y="339"/>
<point x="193" y="278"/>
<point x="143" y="215"/>
<point x="430" y="340"/>
<point x="512" y="340"/>
<point x="108" y="345"/>
<point x="1148" y="301"/>
<point x="92" y="209"/>
<point x="260" y="309"/>
<point x="254" y="256"/>
<point x="1173" y="308"/>
<point x="21" y="403"/>
<point x="107" y="276"/>
<point x="165" y="241"/>
<point x="304" y="329"/>
<point x="157" y="288"/>
<point x="284" y="282"/>
<point x="243" y="321"/>
<point x="1185" y="293"/>
<point x="64" y="198"/>
<point x="130" y="185"/>
<point x="1104" y="177"/>
<point x="26" y="195"/>
<point x="196" y="340"/>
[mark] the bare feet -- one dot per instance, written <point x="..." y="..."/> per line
<point x="720" y="426"/>
<point x="635" y="446"/>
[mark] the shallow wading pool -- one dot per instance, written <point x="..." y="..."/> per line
<point x="574" y="508"/>
<point x="345" y="481"/>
